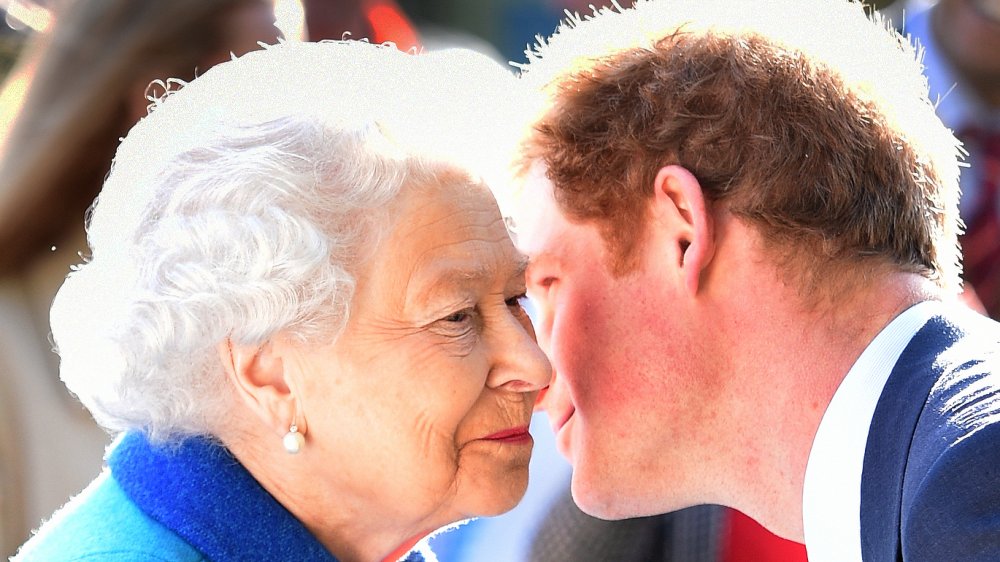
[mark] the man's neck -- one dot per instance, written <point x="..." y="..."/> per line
<point x="799" y="357"/>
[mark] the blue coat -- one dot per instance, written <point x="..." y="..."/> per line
<point x="188" y="503"/>
<point x="930" y="488"/>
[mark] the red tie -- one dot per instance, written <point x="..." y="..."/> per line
<point x="744" y="540"/>
<point x="981" y="241"/>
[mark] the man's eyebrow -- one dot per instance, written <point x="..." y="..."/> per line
<point x="542" y="257"/>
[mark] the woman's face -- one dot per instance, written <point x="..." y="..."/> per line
<point x="419" y="412"/>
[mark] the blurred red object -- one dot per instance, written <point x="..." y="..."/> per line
<point x="971" y="299"/>
<point x="379" y="21"/>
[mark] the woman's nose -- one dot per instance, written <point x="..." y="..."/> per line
<point x="519" y="365"/>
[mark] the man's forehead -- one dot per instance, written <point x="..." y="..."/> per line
<point x="538" y="219"/>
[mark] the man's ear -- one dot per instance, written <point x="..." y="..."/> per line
<point x="258" y="377"/>
<point x="679" y="202"/>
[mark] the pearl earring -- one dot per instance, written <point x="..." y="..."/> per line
<point x="293" y="440"/>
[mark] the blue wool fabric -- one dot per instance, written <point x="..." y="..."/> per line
<point x="184" y="503"/>
<point x="199" y="491"/>
<point x="102" y="524"/>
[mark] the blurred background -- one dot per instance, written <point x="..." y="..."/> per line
<point x="76" y="75"/>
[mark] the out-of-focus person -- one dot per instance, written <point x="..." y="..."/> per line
<point x="961" y="42"/>
<point x="80" y="87"/>
<point x="77" y="88"/>
<point x="302" y="315"/>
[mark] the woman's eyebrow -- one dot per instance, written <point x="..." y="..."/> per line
<point x="455" y="273"/>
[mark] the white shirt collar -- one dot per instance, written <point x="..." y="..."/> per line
<point x="831" y="496"/>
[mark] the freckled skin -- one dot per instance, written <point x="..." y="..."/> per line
<point x="635" y="412"/>
<point x="431" y="361"/>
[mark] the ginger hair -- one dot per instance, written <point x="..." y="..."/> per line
<point x="779" y="137"/>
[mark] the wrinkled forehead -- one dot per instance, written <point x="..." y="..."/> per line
<point x="444" y="233"/>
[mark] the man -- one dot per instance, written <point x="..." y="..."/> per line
<point x="742" y="223"/>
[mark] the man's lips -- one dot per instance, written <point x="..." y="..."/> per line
<point x="513" y="434"/>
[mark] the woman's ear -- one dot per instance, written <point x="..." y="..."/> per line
<point x="679" y="202"/>
<point x="258" y="377"/>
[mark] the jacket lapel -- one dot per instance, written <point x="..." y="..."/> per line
<point x="891" y="435"/>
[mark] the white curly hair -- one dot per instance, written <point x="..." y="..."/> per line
<point x="243" y="205"/>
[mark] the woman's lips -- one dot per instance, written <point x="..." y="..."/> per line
<point x="512" y="435"/>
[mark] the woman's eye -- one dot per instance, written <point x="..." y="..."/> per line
<point x="459" y="324"/>
<point x="458" y="317"/>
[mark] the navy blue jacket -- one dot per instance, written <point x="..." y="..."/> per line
<point x="930" y="488"/>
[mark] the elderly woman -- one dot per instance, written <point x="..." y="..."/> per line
<point x="302" y="315"/>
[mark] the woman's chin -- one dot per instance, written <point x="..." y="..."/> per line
<point x="501" y="497"/>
